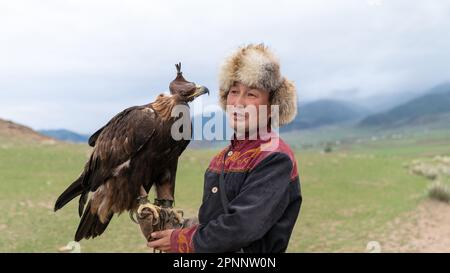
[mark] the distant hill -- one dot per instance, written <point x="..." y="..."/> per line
<point x="310" y="115"/>
<point x="13" y="131"/>
<point x="431" y="107"/>
<point x="441" y="88"/>
<point x="325" y="112"/>
<point x="65" y="135"/>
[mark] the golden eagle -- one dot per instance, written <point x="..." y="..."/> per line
<point x="132" y="152"/>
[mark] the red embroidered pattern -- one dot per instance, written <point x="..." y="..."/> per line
<point x="181" y="240"/>
<point x="247" y="154"/>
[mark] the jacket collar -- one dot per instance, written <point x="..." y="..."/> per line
<point x="261" y="137"/>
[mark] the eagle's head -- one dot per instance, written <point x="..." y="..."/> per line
<point x="186" y="91"/>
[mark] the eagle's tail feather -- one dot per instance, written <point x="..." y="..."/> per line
<point x="82" y="203"/>
<point x="75" y="189"/>
<point x="90" y="225"/>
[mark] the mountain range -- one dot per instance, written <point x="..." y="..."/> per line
<point x="65" y="135"/>
<point x="325" y="112"/>
<point x="431" y="107"/>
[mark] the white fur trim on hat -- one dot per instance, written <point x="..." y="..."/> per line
<point x="256" y="66"/>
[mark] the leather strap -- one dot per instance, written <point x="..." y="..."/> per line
<point x="164" y="203"/>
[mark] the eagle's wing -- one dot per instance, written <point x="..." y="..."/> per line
<point x="118" y="142"/>
<point x="107" y="171"/>
<point x="93" y="139"/>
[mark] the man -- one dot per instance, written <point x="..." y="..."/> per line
<point x="252" y="195"/>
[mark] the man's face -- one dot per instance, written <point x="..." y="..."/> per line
<point x="245" y="102"/>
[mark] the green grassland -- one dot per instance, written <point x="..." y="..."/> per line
<point x="349" y="195"/>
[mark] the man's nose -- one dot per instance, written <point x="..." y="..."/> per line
<point x="240" y="100"/>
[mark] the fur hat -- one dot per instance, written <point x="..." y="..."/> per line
<point x="256" y="66"/>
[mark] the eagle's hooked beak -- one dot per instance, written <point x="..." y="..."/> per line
<point x="200" y="90"/>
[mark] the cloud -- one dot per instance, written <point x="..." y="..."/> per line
<point x="86" y="60"/>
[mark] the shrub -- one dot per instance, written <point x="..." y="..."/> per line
<point x="328" y="148"/>
<point x="439" y="191"/>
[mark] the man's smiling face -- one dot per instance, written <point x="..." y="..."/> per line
<point x="245" y="102"/>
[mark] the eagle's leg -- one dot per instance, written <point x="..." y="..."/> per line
<point x="147" y="215"/>
<point x="170" y="218"/>
<point x="164" y="194"/>
<point x="160" y="215"/>
<point x="145" y="204"/>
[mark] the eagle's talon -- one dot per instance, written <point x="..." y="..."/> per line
<point x="132" y="217"/>
<point x="179" y="215"/>
<point x="154" y="209"/>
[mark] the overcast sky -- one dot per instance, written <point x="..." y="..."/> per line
<point x="74" y="64"/>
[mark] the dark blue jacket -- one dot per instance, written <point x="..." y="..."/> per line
<point x="263" y="188"/>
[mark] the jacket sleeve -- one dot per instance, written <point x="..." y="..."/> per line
<point x="181" y="240"/>
<point x="259" y="205"/>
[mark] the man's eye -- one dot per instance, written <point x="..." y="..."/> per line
<point x="234" y="92"/>
<point x="251" y="95"/>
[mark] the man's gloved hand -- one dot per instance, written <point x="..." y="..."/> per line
<point x="152" y="217"/>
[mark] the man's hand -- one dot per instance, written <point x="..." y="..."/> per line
<point x="162" y="240"/>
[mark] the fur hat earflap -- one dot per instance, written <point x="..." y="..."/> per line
<point x="257" y="66"/>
